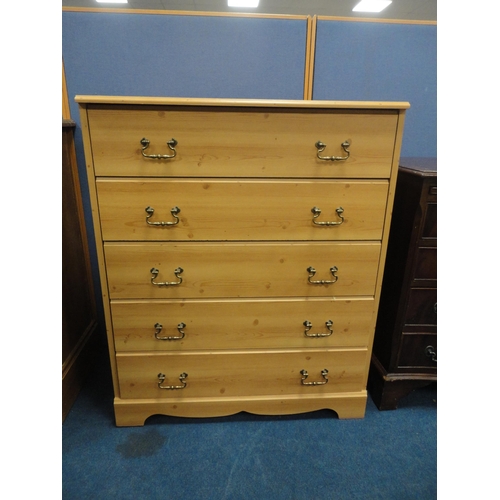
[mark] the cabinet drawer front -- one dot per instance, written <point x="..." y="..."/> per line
<point x="241" y="142"/>
<point x="422" y="307"/>
<point x="240" y="269"/>
<point x="429" y="228"/>
<point x="426" y="263"/>
<point x="241" y="210"/>
<point x="414" y="351"/>
<point x="238" y="324"/>
<point x="233" y="374"/>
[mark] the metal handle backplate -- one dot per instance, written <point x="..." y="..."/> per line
<point x="177" y="273"/>
<point x="308" y="325"/>
<point x="430" y="351"/>
<point x="174" y="211"/>
<point x="312" y="272"/>
<point x="180" y="328"/>
<point x="317" y="212"/>
<point x="321" y="147"/>
<point x="324" y="374"/>
<point x="182" y="378"/>
<point x="171" y="145"/>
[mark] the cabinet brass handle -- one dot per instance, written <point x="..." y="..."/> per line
<point x="431" y="353"/>
<point x="171" y="144"/>
<point x="308" y="326"/>
<point x="321" y="147"/>
<point x="177" y="273"/>
<point x="312" y="272"/>
<point x="182" y="378"/>
<point x="174" y="211"/>
<point x="317" y="212"/>
<point x="324" y="374"/>
<point x="180" y="327"/>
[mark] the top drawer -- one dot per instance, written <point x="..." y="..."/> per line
<point x="241" y="142"/>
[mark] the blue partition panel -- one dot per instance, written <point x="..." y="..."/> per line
<point x="382" y="62"/>
<point x="135" y="54"/>
<point x="183" y="56"/>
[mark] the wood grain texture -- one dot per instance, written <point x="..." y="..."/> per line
<point x="245" y="177"/>
<point x="240" y="373"/>
<point x="240" y="269"/>
<point x="240" y="210"/>
<point x="134" y="412"/>
<point x="238" y="324"/>
<point x="241" y="142"/>
<point x="256" y="103"/>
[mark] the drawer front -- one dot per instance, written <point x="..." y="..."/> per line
<point x="426" y="264"/>
<point x="418" y="351"/>
<point x="429" y="227"/>
<point x="241" y="142"/>
<point x="240" y="269"/>
<point x="241" y="210"/>
<point x="239" y="374"/>
<point x="238" y="324"/>
<point x="422" y="307"/>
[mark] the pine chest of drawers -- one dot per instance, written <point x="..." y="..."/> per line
<point x="241" y="246"/>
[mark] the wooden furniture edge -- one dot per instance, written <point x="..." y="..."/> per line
<point x="385" y="233"/>
<point x="301" y="17"/>
<point x="66" y="112"/>
<point x="372" y="20"/>
<point x="72" y="374"/>
<point x="244" y="14"/>
<point x="310" y="55"/>
<point x="134" y="412"/>
<point x="278" y="103"/>
<point x="387" y="389"/>
<point x="89" y="166"/>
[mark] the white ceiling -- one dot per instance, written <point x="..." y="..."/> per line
<point x="416" y="10"/>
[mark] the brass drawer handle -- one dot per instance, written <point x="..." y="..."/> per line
<point x="182" y="378"/>
<point x="317" y="212"/>
<point x="174" y="211"/>
<point x="312" y="272"/>
<point x="171" y="144"/>
<point x="308" y="326"/>
<point x="321" y="147"/>
<point x="180" y="327"/>
<point x="431" y="353"/>
<point x="177" y="273"/>
<point x="324" y="374"/>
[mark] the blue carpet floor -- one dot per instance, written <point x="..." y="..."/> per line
<point x="387" y="455"/>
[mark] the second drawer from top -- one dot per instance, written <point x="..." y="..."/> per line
<point x="190" y="210"/>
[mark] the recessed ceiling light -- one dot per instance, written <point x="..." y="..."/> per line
<point x="243" y="3"/>
<point x="111" y="1"/>
<point x="371" y="5"/>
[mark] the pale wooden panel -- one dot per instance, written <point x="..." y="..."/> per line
<point x="237" y="324"/>
<point x="240" y="210"/>
<point x="230" y="103"/>
<point x="240" y="142"/>
<point x="134" y="412"/>
<point x="240" y="269"/>
<point x="240" y="374"/>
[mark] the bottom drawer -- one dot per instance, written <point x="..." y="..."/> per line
<point x="418" y="351"/>
<point x="233" y="374"/>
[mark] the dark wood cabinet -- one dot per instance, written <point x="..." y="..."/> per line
<point x="79" y="321"/>
<point x="405" y="346"/>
